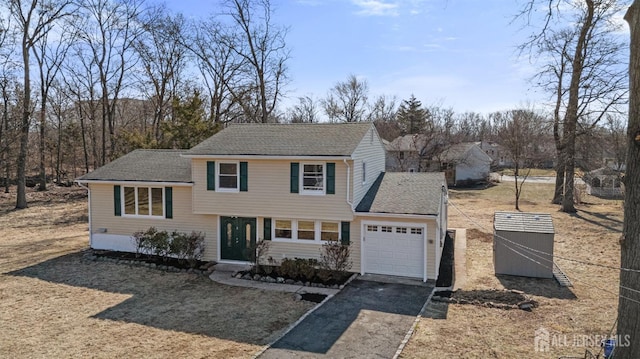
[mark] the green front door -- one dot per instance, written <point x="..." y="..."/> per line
<point x="237" y="238"/>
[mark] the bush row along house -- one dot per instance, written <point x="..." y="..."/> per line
<point x="296" y="185"/>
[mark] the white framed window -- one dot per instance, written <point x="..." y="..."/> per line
<point x="401" y="229"/>
<point x="329" y="231"/>
<point x="307" y="230"/>
<point x="143" y="201"/>
<point x="304" y="230"/>
<point x="313" y="178"/>
<point x="283" y="229"/>
<point x="386" y="229"/>
<point x="364" y="172"/>
<point x="228" y="176"/>
<point x="372" y="228"/>
<point x="416" y="230"/>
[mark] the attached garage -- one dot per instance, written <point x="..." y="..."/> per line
<point x="403" y="221"/>
<point x="394" y="248"/>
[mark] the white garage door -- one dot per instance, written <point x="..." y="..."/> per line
<point x="394" y="249"/>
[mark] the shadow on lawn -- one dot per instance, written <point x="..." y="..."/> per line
<point x="541" y="287"/>
<point x="601" y="220"/>
<point x="181" y="302"/>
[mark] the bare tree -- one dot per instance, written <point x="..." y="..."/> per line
<point x="583" y="73"/>
<point x="305" y="111"/>
<point x="219" y="66"/>
<point x="49" y="55"/>
<point x="163" y="58"/>
<point x="108" y="36"/>
<point x="347" y="101"/>
<point x="33" y="20"/>
<point x="261" y="44"/>
<point x="628" y="313"/>
<point x="519" y="131"/>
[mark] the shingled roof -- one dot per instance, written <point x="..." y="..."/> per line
<point x="284" y="140"/>
<point x="404" y="193"/>
<point x="145" y="166"/>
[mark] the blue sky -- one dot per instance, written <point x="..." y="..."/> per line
<point x="454" y="53"/>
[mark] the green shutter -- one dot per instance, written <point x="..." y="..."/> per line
<point x="331" y="178"/>
<point x="295" y="177"/>
<point x="243" y="177"/>
<point x="346" y="232"/>
<point x="267" y="229"/>
<point x="117" y="203"/>
<point x="168" y="202"/>
<point x="211" y="176"/>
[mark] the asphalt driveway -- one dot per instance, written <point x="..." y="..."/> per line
<point x="367" y="319"/>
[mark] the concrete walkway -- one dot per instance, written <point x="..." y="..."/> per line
<point x="460" y="258"/>
<point x="223" y="274"/>
<point x="367" y="319"/>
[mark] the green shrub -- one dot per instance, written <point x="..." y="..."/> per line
<point x="189" y="247"/>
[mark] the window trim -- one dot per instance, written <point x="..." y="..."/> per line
<point x="317" y="229"/>
<point x="219" y="173"/>
<point x="150" y="188"/>
<point x="309" y="192"/>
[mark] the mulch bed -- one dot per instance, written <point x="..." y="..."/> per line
<point x="492" y="298"/>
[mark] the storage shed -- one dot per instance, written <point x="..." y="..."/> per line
<point x="523" y="244"/>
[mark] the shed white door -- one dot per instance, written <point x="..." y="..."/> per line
<point x="394" y="249"/>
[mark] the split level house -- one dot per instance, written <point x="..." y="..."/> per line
<point x="296" y="185"/>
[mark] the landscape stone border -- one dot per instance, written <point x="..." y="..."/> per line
<point x="205" y="269"/>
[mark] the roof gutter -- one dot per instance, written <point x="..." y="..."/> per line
<point x="396" y="215"/>
<point x="350" y="203"/>
<point x="270" y="157"/>
<point x="121" y="182"/>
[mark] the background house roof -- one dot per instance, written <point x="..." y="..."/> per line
<point x="404" y="193"/>
<point x="284" y="140"/>
<point x="523" y="222"/>
<point x="405" y="143"/>
<point x="145" y="166"/>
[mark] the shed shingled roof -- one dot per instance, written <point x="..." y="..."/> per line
<point x="404" y="193"/>
<point x="523" y="222"/>
<point x="145" y="166"/>
<point x="284" y="140"/>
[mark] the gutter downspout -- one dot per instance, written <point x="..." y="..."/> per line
<point x="88" y="212"/>
<point x="348" y="180"/>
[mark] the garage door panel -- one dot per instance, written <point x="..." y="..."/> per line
<point x="396" y="251"/>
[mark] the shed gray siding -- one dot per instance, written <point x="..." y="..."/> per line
<point x="523" y="244"/>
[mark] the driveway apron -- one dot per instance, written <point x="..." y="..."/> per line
<point x="366" y="319"/>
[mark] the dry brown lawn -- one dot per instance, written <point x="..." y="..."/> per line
<point x="55" y="304"/>
<point x="584" y="311"/>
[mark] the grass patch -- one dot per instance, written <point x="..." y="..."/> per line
<point x="56" y="303"/>
<point x="589" y="308"/>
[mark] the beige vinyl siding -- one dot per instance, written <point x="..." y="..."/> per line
<point x="102" y="216"/>
<point x="269" y="194"/>
<point x="280" y="250"/>
<point x="356" y="236"/>
<point x="370" y="150"/>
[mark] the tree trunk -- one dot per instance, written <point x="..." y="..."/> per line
<point x="21" y="198"/>
<point x="43" y="132"/>
<point x="628" y="310"/>
<point x="559" y="190"/>
<point x="571" y="116"/>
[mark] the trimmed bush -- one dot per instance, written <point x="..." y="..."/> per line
<point x="189" y="247"/>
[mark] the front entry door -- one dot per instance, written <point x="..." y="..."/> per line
<point x="237" y="238"/>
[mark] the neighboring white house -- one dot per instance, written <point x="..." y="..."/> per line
<point x="465" y="163"/>
<point x="500" y="156"/>
<point x="296" y="185"/>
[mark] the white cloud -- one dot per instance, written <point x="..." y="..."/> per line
<point x="376" y="8"/>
